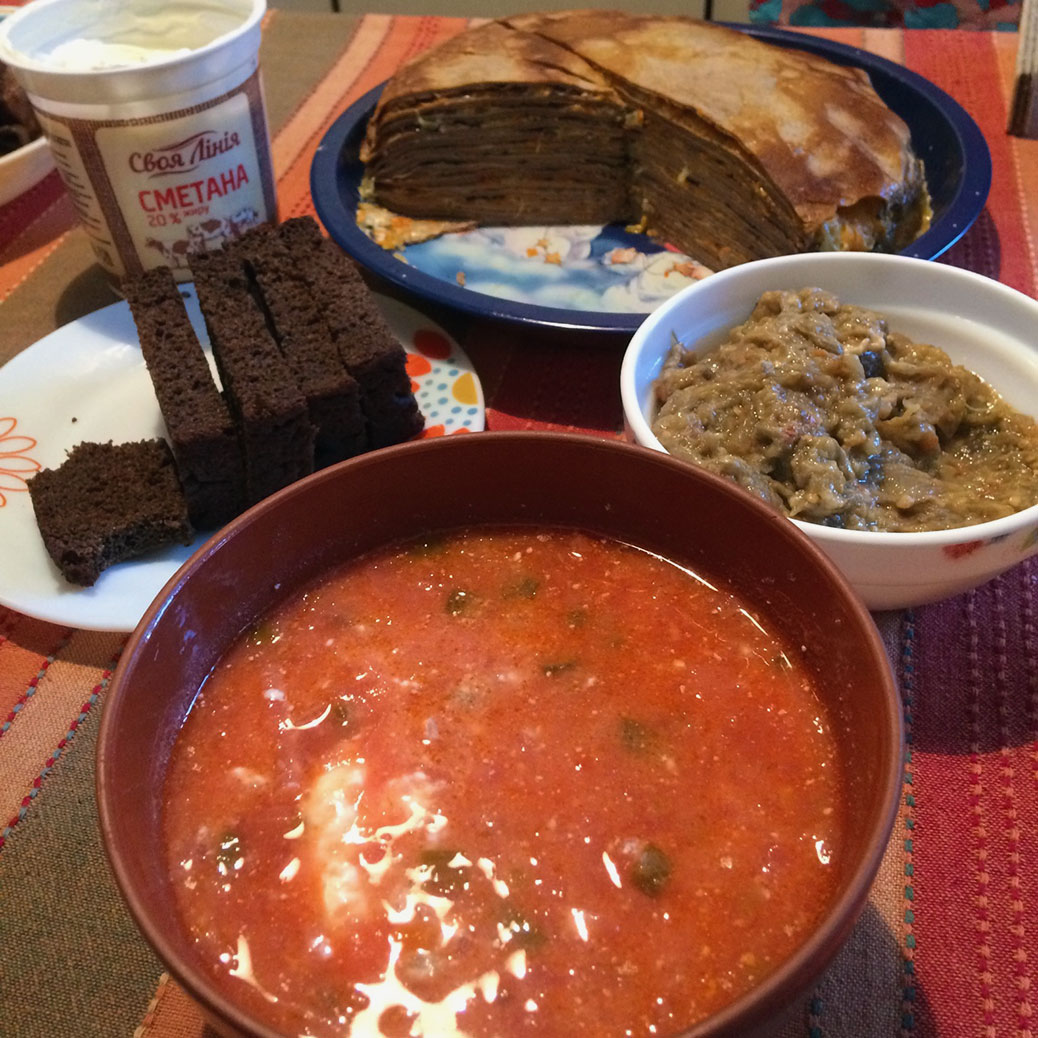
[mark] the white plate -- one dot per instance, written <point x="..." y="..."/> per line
<point x="87" y="382"/>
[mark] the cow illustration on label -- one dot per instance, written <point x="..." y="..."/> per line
<point x="203" y="236"/>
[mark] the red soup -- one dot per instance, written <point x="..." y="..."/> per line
<point x="503" y="782"/>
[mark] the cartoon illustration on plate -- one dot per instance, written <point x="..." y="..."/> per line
<point x="596" y="268"/>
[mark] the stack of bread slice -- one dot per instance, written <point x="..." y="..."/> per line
<point x="310" y="374"/>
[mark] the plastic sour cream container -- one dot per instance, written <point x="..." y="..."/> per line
<point x="154" y="112"/>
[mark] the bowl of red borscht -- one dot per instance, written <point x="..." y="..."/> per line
<point x="501" y="734"/>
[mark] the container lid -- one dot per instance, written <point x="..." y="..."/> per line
<point x="194" y="42"/>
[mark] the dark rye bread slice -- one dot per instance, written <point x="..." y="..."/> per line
<point x="108" y="503"/>
<point x="269" y="408"/>
<point x="372" y="354"/>
<point x="297" y="323"/>
<point x="198" y="421"/>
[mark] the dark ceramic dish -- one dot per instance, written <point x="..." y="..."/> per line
<point x="639" y="496"/>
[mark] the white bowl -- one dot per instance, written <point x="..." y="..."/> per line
<point x="23" y="168"/>
<point x="982" y="324"/>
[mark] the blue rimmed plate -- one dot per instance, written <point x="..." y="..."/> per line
<point x="608" y="279"/>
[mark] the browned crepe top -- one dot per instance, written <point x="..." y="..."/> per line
<point x="822" y="133"/>
<point x="491" y="55"/>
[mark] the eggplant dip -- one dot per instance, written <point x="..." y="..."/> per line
<point x="820" y="410"/>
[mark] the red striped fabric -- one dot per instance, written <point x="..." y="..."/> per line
<point x="948" y="941"/>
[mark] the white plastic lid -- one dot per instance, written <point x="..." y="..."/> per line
<point x="196" y="42"/>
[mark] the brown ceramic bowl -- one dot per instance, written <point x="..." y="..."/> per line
<point x="639" y="496"/>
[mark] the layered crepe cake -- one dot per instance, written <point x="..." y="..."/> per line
<point x="726" y="147"/>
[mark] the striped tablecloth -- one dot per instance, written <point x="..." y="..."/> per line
<point x="949" y="942"/>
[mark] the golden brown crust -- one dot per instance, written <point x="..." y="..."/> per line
<point x="491" y="55"/>
<point x="823" y="135"/>
<point x="484" y="58"/>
